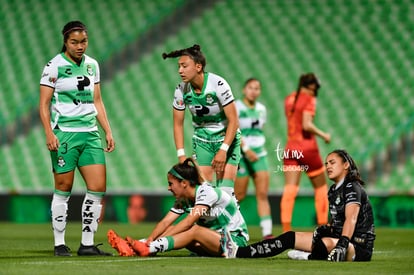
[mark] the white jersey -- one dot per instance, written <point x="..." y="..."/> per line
<point x="222" y="212"/>
<point x="72" y="104"/>
<point x="252" y="121"/>
<point x="206" y="108"/>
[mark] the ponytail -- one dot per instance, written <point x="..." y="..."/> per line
<point x="193" y="52"/>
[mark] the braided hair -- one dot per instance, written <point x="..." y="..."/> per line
<point x="353" y="172"/>
<point x="193" y="52"/>
<point x="304" y="81"/>
<point x="188" y="170"/>
<point x="71" y="27"/>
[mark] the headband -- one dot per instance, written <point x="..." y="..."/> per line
<point x="73" y="29"/>
<point x="175" y="174"/>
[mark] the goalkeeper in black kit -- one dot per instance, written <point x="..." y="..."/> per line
<point x="349" y="236"/>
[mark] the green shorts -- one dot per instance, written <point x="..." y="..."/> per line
<point x="204" y="151"/>
<point x="77" y="149"/>
<point x="247" y="168"/>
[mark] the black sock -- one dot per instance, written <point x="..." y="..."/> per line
<point x="268" y="248"/>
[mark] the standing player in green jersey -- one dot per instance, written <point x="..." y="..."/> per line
<point x="70" y="105"/>
<point x="253" y="163"/>
<point x="209" y="210"/>
<point x="216" y="139"/>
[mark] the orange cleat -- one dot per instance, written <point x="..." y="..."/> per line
<point x="140" y="248"/>
<point x="119" y="244"/>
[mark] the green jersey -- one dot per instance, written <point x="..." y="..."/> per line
<point x="72" y="104"/>
<point x="222" y="212"/>
<point x="209" y="119"/>
<point x="251" y="122"/>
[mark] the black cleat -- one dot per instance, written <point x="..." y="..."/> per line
<point x="62" y="250"/>
<point x="92" y="250"/>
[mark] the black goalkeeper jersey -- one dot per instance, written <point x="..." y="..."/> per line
<point x="351" y="192"/>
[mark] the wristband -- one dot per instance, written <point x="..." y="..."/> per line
<point x="180" y="152"/>
<point x="224" y="147"/>
<point x="343" y="242"/>
<point x="245" y="148"/>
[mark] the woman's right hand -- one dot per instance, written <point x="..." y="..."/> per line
<point x="181" y="159"/>
<point x="251" y="155"/>
<point x="52" y="142"/>
<point x="327" y="137"/>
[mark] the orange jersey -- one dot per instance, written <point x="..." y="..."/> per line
<point x="304" y="103"/>
<point x="301" y="148"/>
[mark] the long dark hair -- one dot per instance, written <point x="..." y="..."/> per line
<point x="304" y="81"/>
<point x="188" y="170"/>
<point x="69" y="28"/>
<point x="193" y="52"/>
<point x="353" y="171"/>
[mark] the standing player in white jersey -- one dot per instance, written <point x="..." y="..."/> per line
<point x="216" y="139"/>
<point x="70" y="105"/>
<point x="253" y="163"/>
<point x="209" y="210"/>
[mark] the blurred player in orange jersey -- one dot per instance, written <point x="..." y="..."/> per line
<point x="301" y="152"/>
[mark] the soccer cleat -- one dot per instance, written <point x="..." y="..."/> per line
<point x="298" y="255"/>
<point x="92" y="250"/>
<point x="62" y="250"/>
<point x="119" y="244"/>
<point x="140" y="248"/>
<point x="227" y="245"/>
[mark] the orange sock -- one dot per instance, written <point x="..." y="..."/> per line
<point x="321" y="204"/>
<point x="286" y="206"/>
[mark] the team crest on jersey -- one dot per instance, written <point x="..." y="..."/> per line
<point x="89" y="70"/>
<point x="338" y="200"/>
<point x="209" y="99"/>
<point x="61" y="161"/>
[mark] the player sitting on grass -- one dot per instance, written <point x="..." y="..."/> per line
<point x="209" y="210"/>
<point x="349" y="236"/>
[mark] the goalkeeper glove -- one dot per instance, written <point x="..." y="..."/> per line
<point x="338" y="254"/>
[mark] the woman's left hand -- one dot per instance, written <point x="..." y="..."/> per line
<point x="219" y="161"/>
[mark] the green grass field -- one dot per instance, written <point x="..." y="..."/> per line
<point x="28" y="249"/>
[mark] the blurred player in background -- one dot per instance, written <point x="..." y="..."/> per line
<point x="253" y="163"/>
<point x="350" y="234"/>
<point x="209" y="210"/>
<point x="70" y="104"/>
<point x="301" y="152"/>
<point x="216" y="138"/>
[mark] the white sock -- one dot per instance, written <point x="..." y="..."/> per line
<point x="266" y="225"/>
<point x="59" y="208"/>
<point x="91" y="211"/>
<point x="159" y="245"/>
